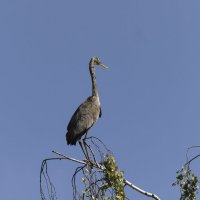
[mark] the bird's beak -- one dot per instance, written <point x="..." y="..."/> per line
<point x="104" y="66"/>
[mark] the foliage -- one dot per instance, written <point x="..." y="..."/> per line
<point x="114" y="177"/>
<point x="188" y="184"/>
<point x="111" y="184"/>
<point x="186" y="179"/>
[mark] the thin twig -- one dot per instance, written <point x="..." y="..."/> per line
<point x="96" y="138"/>
<point x="187" y="163"/>
<point x="78" y="169"/>
<point x="51" y="191"/>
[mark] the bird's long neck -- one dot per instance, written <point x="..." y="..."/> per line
<point x="93" y="78"/>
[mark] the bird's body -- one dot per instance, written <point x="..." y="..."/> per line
<point x="83" y="119"/>
<point x="87" y="113"/>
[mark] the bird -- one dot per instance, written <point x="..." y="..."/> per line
<point x="87" y="114"/>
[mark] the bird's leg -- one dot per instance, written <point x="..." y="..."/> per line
<point x="80" y="143"/>
<point x="85" y="136"/>
<point x="92" y="152"/>
<point x="85" y="145"/>
<point x="89" y="167"/>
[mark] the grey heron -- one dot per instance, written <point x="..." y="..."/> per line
<point x="88" y="112"/>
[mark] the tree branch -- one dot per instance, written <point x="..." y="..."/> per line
<point x="70" y="158"/>
<point x="140" y="190"/>
<point x="97" y="165"/>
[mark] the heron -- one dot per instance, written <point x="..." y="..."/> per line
<point x="87" y="114"/>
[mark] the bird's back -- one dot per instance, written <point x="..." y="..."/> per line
<point x="83" y="119"/>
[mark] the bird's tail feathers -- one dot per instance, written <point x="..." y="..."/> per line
<point x="70" y="138"/>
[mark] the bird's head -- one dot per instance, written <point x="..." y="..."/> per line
<point x="97" y="61"/>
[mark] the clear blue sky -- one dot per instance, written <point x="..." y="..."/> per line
<point x="150" y="94"/>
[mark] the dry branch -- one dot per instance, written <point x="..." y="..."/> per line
<point x="100" y="167"/>
<point x="98" y="178"/>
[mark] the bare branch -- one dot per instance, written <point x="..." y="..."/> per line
<point x="189" y="161"/>
<point x="128" y="183"/>
<point x="140" y="190"/>
<point x="97" y="179"/>
<point x="70" y="158"/>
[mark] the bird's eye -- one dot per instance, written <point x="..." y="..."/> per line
<point x="98" y="60"/>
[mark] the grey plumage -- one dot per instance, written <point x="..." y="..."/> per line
<point x="88" y="112"/>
